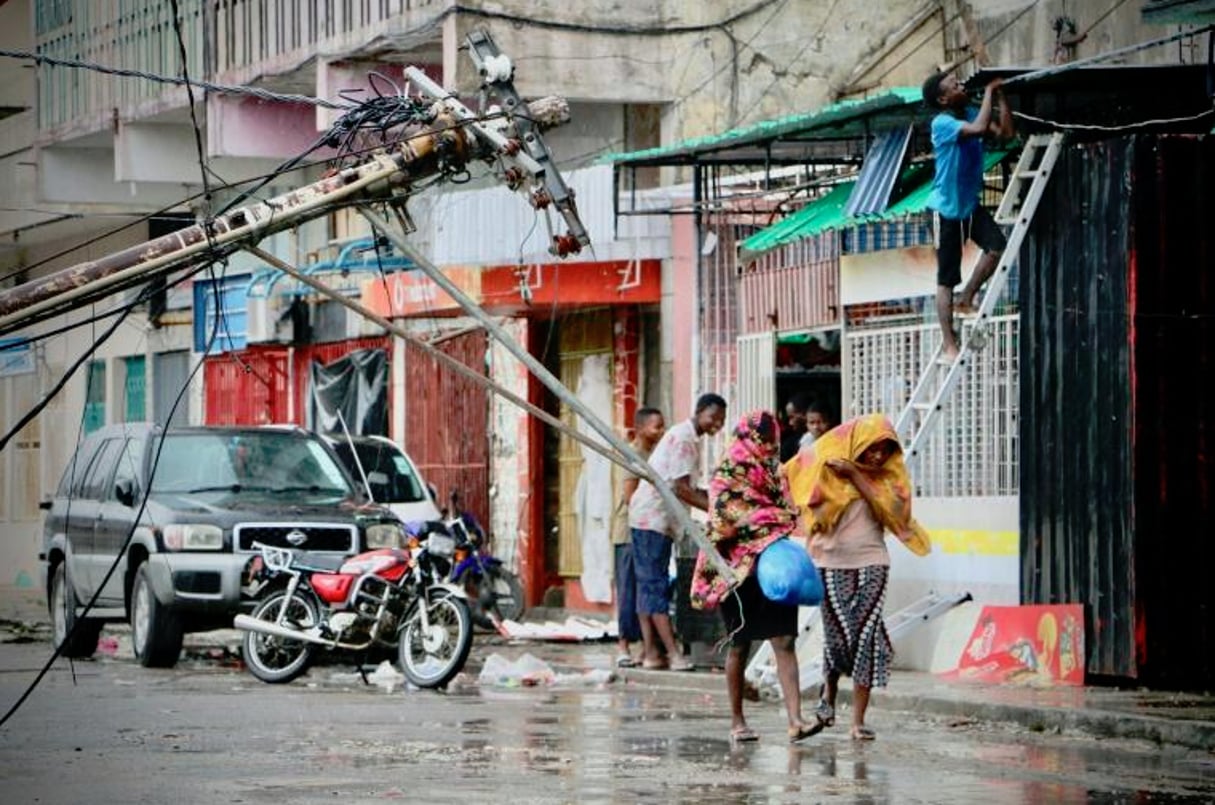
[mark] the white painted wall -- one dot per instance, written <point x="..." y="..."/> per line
<point x="975" y="549"/>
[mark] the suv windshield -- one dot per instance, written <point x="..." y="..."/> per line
<point x="391" y="478"/>
<point x="266" y="462"/>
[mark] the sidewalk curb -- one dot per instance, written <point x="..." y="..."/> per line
<point x="1095" y="723"/>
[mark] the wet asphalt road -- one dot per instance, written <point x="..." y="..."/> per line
<point x="204" y="732"/>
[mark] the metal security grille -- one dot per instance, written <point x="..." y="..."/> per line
<point x="795" y="286"/>
<point x="974" y="452"/>
<point x="333" y="537"/>
<point x="719" y="292"/>
<point x="756" y="387"/>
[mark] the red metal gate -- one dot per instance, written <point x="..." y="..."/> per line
<point x="248" y="387"/>
<point x="447" y="421"/>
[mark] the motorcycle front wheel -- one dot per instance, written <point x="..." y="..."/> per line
<point x="276" y="659"/>
<point x="431" y="656"/>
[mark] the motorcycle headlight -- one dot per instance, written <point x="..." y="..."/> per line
<point x="440" y="544"/>
<point x="193" y="537"/>
<point x="385" y="535"/>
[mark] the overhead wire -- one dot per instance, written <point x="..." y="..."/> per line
<point x="227" y="89"/>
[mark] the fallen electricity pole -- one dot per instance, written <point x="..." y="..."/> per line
<point x="440" y="145"/>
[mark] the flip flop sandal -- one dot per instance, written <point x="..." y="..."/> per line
<point x="743" y="735"/>
<point x="625" y="661"/>
<point x="804" y="731"/>
<point x="863" y="734"/>
<point x="682" y="665"/>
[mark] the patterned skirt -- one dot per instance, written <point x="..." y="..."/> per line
<point x="855" y="642"/>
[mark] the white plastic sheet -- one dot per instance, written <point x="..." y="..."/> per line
<point x="594" y="493"/>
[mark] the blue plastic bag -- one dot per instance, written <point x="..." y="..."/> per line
<point x="788" y="576"/>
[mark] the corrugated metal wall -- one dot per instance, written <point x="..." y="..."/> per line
<point x="447" y="421"/>
<point x="248" y="387"/>
<point x="1077" y="535"/>
<point x="1173" y="339"/>
<point x="1118" y="337"/>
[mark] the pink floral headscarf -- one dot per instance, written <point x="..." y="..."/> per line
<point x="749" y="506"/>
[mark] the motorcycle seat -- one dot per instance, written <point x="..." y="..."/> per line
<point x="320" y="562"/>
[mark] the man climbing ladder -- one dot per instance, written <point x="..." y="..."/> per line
<point x="957" y="142"/>
<point x="940" y="374"/>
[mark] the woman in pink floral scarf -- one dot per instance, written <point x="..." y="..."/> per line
<point x="750" y="508"/>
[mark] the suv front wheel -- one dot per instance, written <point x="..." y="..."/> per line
<point x="156" y="631"/>
<point x="74" y="637"/>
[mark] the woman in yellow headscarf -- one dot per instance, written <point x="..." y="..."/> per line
<point x="852" y="487"/>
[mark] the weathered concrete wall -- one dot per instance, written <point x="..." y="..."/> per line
<point x="510" y="458"/>
<point x="1021" y="32"/>
<point x="782" y="58"/>
<point x="16" y="77"/>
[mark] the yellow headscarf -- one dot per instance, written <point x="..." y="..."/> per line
<point x="823" y="496"/>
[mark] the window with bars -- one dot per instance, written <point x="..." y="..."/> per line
<point x="972" y="450"/>
<point x="94" y="397"/>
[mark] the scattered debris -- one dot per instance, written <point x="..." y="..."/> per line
<point x="20" y="631"/>
<point x="384" y="676"/>
<point x="573" y="630"/>
<point x="529" y="671"/>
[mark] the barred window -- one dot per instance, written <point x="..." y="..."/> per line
<point x="972" y="449"/>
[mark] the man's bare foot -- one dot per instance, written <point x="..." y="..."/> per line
<point x="965" y="307"/>
<point x="950" y="353"/>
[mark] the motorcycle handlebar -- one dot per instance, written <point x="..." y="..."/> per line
<point x="276" y="558"/>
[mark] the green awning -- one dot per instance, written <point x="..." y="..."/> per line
<point x="818" y="216"/>
<point x="782" y="139"/>
<point x="827" y="213"/>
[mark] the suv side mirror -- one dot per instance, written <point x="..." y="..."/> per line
<point x="45" y="505"/>
<point x="124" y="491"/>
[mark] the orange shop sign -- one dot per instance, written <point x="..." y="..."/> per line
<point x="412" y="293"/>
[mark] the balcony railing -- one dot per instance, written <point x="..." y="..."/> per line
<point x="221" y="37"/>
<point x="128" y="34"/>
<point x="254" y="31"/>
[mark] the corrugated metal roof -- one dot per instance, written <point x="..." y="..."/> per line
<point x="879" y="171"/>
<point x="852" y="118"/>
<point x="829" y="211"/>
<point x="818" y="216"/>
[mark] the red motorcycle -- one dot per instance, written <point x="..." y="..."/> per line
<point x="380" y="599"/>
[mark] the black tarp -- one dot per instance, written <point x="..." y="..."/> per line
<point x="356" y="385"/>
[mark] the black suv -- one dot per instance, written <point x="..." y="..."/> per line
<point x="215" y="492"/>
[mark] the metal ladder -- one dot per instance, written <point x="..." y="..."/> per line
<point x="921" y="611"/>
<point x="1017" y="208"/>
<point x="761" y="670"/>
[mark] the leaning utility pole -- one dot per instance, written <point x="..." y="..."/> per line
<point x="437" y="145"/>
